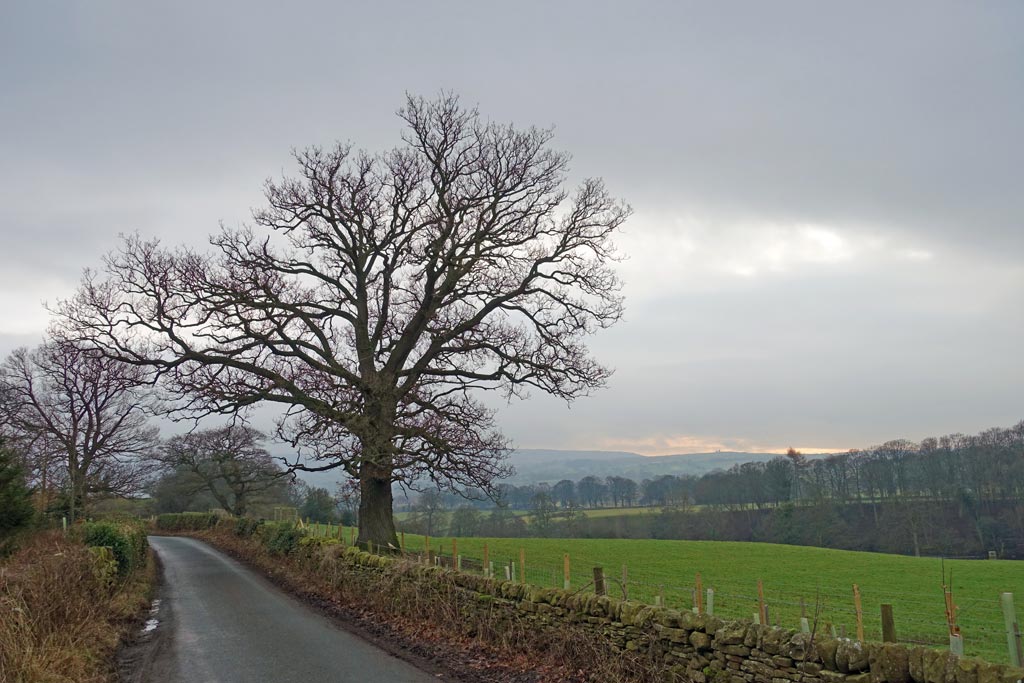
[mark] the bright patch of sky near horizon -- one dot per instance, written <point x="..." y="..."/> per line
<point x="827" y="244"/>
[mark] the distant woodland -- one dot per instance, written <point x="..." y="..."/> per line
<point x="957" y="495"/>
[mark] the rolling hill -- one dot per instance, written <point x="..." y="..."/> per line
<point x="533" y="466"/>
<point x="547" y="465"/>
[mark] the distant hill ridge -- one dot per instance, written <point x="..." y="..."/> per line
<point x="549" y="465"/>
<point x="534" y="465"/>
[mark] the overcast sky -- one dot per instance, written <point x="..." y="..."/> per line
<point x="828" y="244"/>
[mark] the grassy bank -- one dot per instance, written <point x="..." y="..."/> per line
<point x="65" y="605"/>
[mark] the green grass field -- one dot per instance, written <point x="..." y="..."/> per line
<point x="790" y="574"/>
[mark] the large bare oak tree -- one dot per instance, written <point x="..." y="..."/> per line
<point x="375" y="295"/>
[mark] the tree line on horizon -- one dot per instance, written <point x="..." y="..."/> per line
<point x="971" y="469"/>
<point x="901" y="488"/>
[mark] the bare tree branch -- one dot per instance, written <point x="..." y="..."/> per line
<point x="66" y="401"/>
<point x="379" y="292"/>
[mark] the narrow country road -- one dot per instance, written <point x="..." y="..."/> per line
<point x="226" y="624"/>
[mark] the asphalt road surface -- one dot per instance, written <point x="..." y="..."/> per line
<point x="222" y="623"/>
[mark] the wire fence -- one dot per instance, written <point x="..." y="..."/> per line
<point x="920" y="616"/>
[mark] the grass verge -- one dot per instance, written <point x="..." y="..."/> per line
<point x="64" y="612"/>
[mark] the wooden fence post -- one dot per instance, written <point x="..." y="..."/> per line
<point x="1012" y="629"/>
<point x="625" y="583"/>
<point x="522" y="565"/>
<point x="566" y="584"/>
<point x="700" y="595"/>
<point x="888" y="625"/>
<point x="599" y="580"/>
<point x="860" y="613"/>
<point x="487" y="564"/>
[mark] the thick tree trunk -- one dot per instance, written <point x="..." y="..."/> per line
<point x="376" y="520"/>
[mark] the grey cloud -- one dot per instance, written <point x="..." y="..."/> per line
<point x="870" y="121"/>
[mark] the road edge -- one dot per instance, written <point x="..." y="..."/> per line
<point x="378" y="634"/>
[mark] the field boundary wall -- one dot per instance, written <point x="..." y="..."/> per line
<point x="702" y="648"/>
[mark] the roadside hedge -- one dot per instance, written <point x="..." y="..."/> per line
<point x="187" y="521"/>
<point x="126" y="540"/>
<point x="247" y="526"/>
<point x="280" y="538"/>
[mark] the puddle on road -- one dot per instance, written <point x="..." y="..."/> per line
<point x="152" y="622"/>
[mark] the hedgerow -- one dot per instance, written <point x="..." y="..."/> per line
<point x="126" y="540"/>
<point x="280" y="538"/>
<point x="247" y="526"/>
<point x="187" y="521"/>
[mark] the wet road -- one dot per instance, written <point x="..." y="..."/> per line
<point x="224" y="624"/>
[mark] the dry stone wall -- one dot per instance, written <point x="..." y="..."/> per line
<point x="700" y="648"/>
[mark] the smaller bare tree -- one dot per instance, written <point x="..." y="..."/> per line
<point x="229" y="462"/>
<point x="62" y="398"/>
<point x="39" y="456"/>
